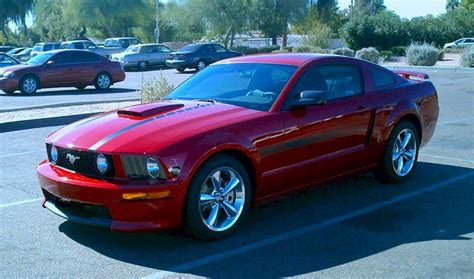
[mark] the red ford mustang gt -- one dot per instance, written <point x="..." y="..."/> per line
<point x="240" y="132"/>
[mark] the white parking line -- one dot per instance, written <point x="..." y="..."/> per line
<point x="455" y="121"/>
<point x="302" y="231"/>
<point x="19" y="202"/>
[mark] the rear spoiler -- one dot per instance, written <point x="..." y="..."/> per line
<point x="412" y="75"/>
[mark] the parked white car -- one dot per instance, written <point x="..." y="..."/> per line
<point x="464" y="42"/>
<point x="142" y="56"/>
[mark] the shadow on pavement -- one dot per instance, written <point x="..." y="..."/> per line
<point x="87" y="91"/>
<point x="42" y="122"/>
<point x="445" y="213"/>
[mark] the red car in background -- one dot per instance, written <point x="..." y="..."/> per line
<point x="61" y="68"/>
<point x="240" y="132"/>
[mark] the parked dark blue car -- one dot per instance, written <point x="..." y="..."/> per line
<point x="198" y="56"/>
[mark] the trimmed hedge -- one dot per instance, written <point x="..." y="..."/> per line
<point x="386" y="54"/>
<point x="253" y="50"/>
<point x="308" y="49"/>
<point x="343" y="51"/>
<point x="422" y="54"/>
<point x="399" y="50"/>
<point x="370" y="54"/>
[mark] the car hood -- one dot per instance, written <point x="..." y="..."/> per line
<point x="15" y="67"/>
<point x="146" y="128"/>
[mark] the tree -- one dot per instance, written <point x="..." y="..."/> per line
<point x="14" y="11"/>
<point x="467" y="4"/>
<point x="452" y="5"/>
<point x="273" y="17"/>
<point x="368" y="7"/>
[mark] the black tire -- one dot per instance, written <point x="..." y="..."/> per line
<point x="9" y="92"/>
<point x="100" y="84"/>
<point x="181" y="70"/>
<point x="387" y="172"/>
<point x="24" y="87"/>
<point x="193" y="218"/>
<point x="142" y="66"/>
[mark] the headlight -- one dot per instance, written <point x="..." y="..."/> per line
<point x="153" y="168"/>
<point x="142" y="167"/>
<point x="102" y="164"/>
<point x="53" y="154"/>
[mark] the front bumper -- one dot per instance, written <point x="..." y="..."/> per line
<point x="99" y="202"/>
<point x="8" y="83"/>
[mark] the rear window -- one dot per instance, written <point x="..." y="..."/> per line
<point x="382" y="78"/>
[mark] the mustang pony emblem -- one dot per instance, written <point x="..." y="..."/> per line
<point x="72" y="158"/>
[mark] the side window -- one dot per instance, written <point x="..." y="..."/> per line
<point x="155" y="49"/>
<point x="164" y="49"/>
<point x="219" y="48"/>
<point x="61" y="58"/>
<point x="381" y="78"/>
<point x="89" y="45"/>
<point x="84" y="57"/>
<point x="338" y="81"/>
<point x="146" y="49"/>
<point x="78" y="45"/>
<point x="47" y="47"/>
<point x="207" y="48"/>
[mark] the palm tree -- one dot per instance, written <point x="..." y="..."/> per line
<point x="452" y="5"/>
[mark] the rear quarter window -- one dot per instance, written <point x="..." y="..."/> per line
<point x="381" y="78"/>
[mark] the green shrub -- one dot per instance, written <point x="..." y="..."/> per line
<point x="467" y="58"/>
<point x="422" y="54"/>
<point x="318" y="36"/>
<point x="386" y="54"/>
<point x="307" y="49"/>
<point x="441" y="55"/>
<point x="155" y="89"/>
<point x="245" y="49"/>
<point x="267" y="49"/>
<point x="344" y="51"/>
<point x="281" y="51"/>
<point x="454" y="50"/>
<point x="369" y="54"/>
<point x="399" y="50"/>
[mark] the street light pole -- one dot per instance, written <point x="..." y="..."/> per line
<point x="157" y="18"/>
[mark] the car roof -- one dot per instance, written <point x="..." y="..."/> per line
<point x="117" y="38"/>
<point x="76" y="41"/>
<point x="295" y="59"/>
<point x="70" y="50"/>
<point x="140" y="45"/>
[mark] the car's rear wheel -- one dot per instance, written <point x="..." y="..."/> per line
<point x="181" y="70"/>
<point x="401" y="154"/>
<point x="218" y="198"/>
<point x="142" y="65"/>
<point x="201" y="65"/>
<point x="29" y="84"/>
<point x="9" y="92"/>
<point x="102" y="81"/>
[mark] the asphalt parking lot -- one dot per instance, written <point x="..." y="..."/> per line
<point x="354" y="228"/>
<point x="122" y="90"/>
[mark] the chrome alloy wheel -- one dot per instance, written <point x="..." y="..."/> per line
<point x="404" y="152"/>
<point x="103" y="81"/>
<point x="222" y="199"/>
<point x="29" y="85"/>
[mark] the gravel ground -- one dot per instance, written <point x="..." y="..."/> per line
<point x="61" y="111"/>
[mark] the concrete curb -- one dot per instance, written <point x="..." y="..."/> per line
<point x="430" y="68"/>
<point x="71" y="104"/>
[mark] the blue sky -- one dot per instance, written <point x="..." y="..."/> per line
<point x="409" y="8"/>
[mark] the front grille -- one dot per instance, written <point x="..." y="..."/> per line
<point x="83" y="162"/>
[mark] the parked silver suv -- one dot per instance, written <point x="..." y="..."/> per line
<point x="143" y="56"/>
<point x="44" y="47"/>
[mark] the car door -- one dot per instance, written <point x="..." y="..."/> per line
<point x="57" y="73"/>
<point x="208" y="54"/>
<point x="325" y="140"/>
<point x="162" y="54"/>
<point x="85" y="67"/>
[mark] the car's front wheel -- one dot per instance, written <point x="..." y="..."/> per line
<point x="401" y="153"/>
<point x="142" y="66"/>
<point x="29" y="85"/>
<point x="201" y="65"/>
<point x="218" y="198"/>
<point x="102" y="81"/>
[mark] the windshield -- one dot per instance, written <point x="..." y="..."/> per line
<point x="190" y="48"/>
<point x="250" y="85"/>
<point x="111" y="43"/>
<point x="132" y="49"/>
<point x="25" y="51"/>
<point x="40" y="59"/>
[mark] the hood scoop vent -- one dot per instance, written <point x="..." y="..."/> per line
<point x="149" y="110"/>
